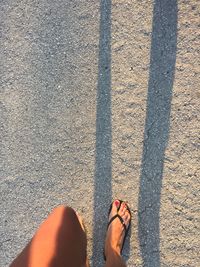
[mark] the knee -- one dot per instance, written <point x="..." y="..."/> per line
<point x="62" y="209"/>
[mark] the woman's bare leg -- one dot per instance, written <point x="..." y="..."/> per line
<point x="115" y="236"/>
<point x="60" y="241"/>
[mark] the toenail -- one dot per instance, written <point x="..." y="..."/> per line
<point x="117" y="203"/>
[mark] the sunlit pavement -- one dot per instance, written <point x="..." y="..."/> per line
<point x="98" y="100"/>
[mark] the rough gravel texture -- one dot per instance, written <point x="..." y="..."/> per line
<point x="100" y="99"/>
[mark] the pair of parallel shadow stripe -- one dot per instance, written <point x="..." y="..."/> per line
<point x="156" y="132"/>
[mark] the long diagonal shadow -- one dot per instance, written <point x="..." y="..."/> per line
<point x="162" y="68"/>
<point x="103" y="165"/>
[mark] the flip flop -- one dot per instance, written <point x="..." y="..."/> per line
<point x="126" y="229"/>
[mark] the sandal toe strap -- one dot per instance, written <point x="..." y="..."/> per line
<point x="121" y="220"/>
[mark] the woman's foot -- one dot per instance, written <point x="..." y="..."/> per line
<point x="116" y="231"/>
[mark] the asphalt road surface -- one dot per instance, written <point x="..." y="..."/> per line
<point x="100" y="100"/>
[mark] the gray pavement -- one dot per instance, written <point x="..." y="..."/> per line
<point x="100" y="99"/>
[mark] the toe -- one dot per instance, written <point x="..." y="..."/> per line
<point x="116" y="203"/>
<point x="128" y="216"/>
<point x="122" y="210"/>
<point x="115" y="206"/>
<point x="124" y="217"/>
<point x="123" y="207"/>
<point x="125" y="214"/>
